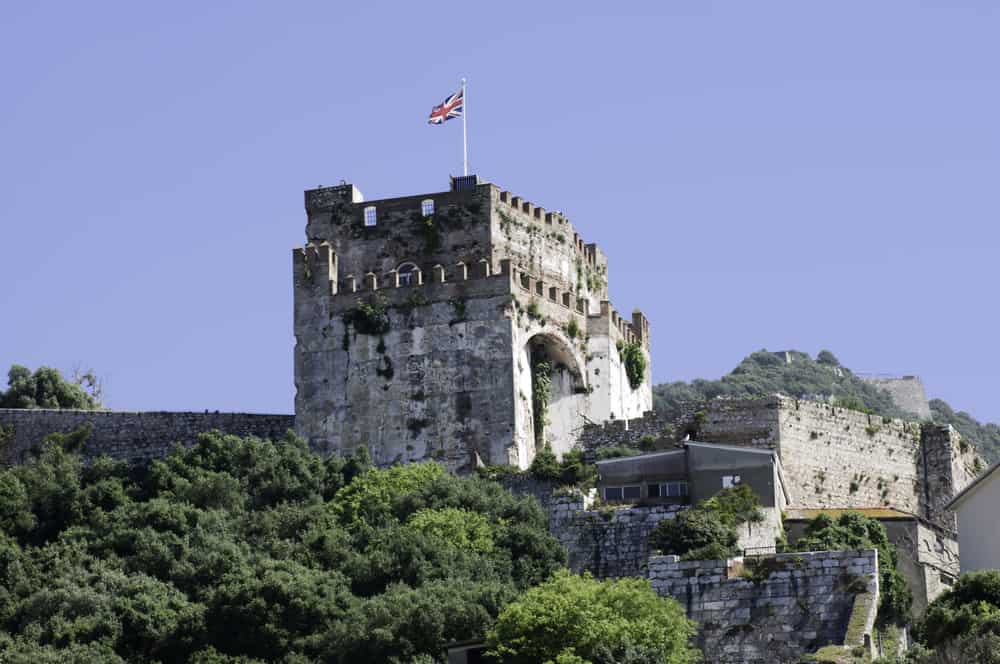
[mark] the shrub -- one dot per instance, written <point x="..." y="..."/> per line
<point x="576" y="619"/>
<point x="853" y="530"/>
<point x="693" y="530"/>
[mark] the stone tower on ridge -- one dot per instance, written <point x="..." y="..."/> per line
<point x="467" y="326"/>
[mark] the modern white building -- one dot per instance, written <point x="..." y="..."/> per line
<point x="977" y="507"/>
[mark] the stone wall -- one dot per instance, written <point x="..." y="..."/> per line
<point x="907" y="391"/>
<point x="607" y="542"/>
<point x="130" y="436"/>
<point x="778" y="609"/>
<point x="832" y="457"/>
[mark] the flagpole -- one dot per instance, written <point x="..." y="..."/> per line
<point x="465" y="138"/>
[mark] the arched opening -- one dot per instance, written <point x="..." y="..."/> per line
<point x="405" y="272"/>
<point x="557" y="392"/>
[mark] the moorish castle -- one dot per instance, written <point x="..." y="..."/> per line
<point x="473" y="327"/>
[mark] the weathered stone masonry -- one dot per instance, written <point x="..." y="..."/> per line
<point x="832" y="457"/>
<point x="471" y="300"/>
<point x="130" y="436"/>
<point x="782" y="608"/>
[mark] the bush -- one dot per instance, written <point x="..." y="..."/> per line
<point x="572" y="618"/>
<point x="46" y="388"/>
<point x="971" y="608"/>
<point x="691" y="531"/>
<point x="853" y="530"/>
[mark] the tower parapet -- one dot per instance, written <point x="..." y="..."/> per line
<point x="422" y="324"/>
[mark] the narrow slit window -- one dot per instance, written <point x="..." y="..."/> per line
<point x="427" y="207"/>
<point x="370" y="216"/>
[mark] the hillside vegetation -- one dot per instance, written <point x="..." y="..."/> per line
<point x="824" y="378"/>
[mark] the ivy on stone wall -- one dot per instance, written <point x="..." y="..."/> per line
<point x="541" y="385"/>
<point x="634" y="361"/>
<point x="369" y="318"/>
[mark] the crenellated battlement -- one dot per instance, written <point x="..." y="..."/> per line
<point x="420" y="320"/>
<point x="555" y="221"/>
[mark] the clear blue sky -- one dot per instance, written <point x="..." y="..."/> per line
<point x="761" y="174"/>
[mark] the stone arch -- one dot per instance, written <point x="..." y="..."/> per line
<point x="555" y="380"/>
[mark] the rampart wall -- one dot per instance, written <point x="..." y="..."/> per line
<point x="778" y="609"/>
<point x="129" y="436"/>
<point x="832" y="457"/>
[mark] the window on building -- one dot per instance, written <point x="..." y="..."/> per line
<point x="406" y="273"/>
<point x="427" y="207"/>
<point x="370" y="218"/>
<point x="622" y="492"/>
<point x="678" y="489"/>
<point x="729" y="481"/>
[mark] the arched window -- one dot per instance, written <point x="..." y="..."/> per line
<point x="427" y="207"/>
<point x="405" y="272"/>
<point x="370" y="218"/>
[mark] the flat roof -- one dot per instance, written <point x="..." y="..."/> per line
<point x="638" y="457"/>
<point x="968" y="491"/>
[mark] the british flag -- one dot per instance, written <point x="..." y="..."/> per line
<point x="450" y="108"/>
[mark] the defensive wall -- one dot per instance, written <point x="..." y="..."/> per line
<point x="907" y="391"/>
<point x="832" y="457"/>
<point x="129" y="436"/>
<point x="774" y="609"/>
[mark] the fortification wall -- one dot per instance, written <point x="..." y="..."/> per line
<point x="607" y="542"/>
<point x="907" y="391"/>
<point x="787" y="606"/>
<point x="834" y="457"/>
<point x="130" y="436"/>
<point x="433" y="382"/>
<point x="545" y="243"/>
<point x="950" y="464"/>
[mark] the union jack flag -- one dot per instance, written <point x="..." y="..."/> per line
<point x="450" y="108"/>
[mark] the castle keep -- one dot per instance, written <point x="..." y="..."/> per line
<point x="468" y="326"/>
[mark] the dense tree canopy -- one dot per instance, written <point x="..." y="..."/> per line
<point x="45" y="388"/>
<point x="573" y="619"/>
<point x="241" y="550"/>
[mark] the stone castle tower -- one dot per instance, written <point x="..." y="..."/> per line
<point x="467" y="326"/>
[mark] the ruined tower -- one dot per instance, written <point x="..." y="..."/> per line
<point x="467" y="326"/>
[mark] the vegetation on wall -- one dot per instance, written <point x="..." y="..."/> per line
<point x="634" y="361"/>
<point x="853" y="530"/>
<point x="708" y="531"/>
<point x="572" y="619"/>
<point x="370" y="317"/>
<point x="541" y="386"/>
<point x="241" y="550"/>
<point x="46" y="388"/>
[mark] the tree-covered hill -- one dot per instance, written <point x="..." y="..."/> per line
<point x="244" y="551"/>
<point x="763" y="373"/>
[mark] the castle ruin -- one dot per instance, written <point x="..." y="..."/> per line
<point x="468" y="326"/>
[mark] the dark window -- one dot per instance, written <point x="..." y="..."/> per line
<point x="632" y="491"/>
<point x="654" y="490"/>
<point x="676" y="489"/>
<point x="612" y="493"/>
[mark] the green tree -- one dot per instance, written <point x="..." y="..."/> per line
<point x="853" y="530"/>
<point x="46" y="388"/>
<point x="970" y="608"/>
<point x="572" y="618"/>
<point x="709" y="530"/>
